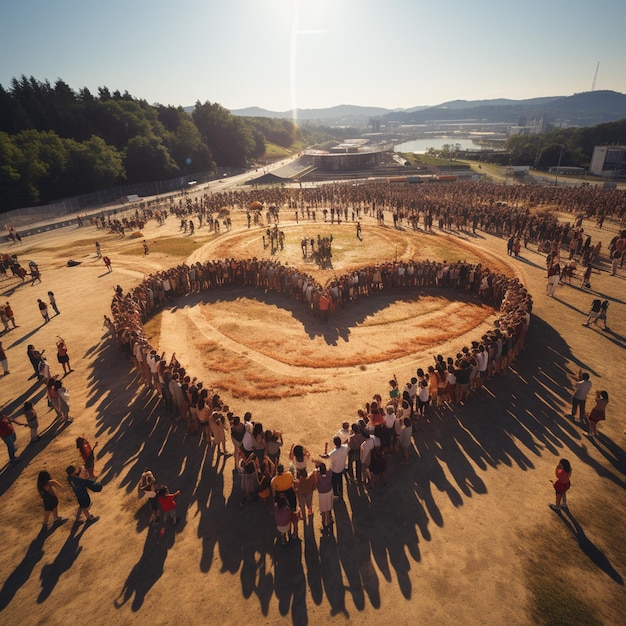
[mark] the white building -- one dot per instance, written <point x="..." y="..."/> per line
<point x="609" y="161"/>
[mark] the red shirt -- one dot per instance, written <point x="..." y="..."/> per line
<point x="562" y="480"/>
<point x="167" y="503"/>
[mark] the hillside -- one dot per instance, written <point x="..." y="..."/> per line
<point x="582" y="109"/>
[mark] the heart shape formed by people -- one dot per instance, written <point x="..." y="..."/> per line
<point x="418" y="285"/>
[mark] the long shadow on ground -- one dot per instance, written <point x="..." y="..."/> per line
<point x="516" y="419"/>
<point x="346" y="317"/>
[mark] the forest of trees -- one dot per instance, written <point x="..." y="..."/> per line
<point x="56" y="142"/>
<point x="543" y="151"/>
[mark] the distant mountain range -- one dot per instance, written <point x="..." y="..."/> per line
<point x="337" y="112"/>
<point x="581" y="109"/>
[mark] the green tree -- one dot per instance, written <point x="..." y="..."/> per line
<point x="94" y="165"/>
<point x="45" y="161"/>
<point x="183" y="140"/>
<point x="229" y="138"/>
<point x="147" y="159"/>
<point x="13" y="192"/>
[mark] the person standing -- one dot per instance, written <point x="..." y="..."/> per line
<point x="53" y="303"/>
<point x="167" y="503"/>
<point x="4" y="361"/>
<point x="616" y="259"/>
<point x="282" y="483"/>
<point x="7" y="432"/>
<point x="218" y="427"/>
<point x="146" y="249"/>
<point x="354" y="453"/>
<point x="282" y="517"/>
<point x="44" y="369"/>
<point x="64" y="401"/>
<point x="34" y="357"/>
<point x="43" y="309"/>
<point x="405" y="439"/>
<point x="31" y="421"/>
<point x="81" y="487"/>
<point x="594" y="313"/>
<point x="582" y="388"/>
<point x="53" y="397"/>
<point x="325" y="495"/>
<point x="304" y="487"/>
<point x="586" y="279"/>
<point x="603" y="311"/>
<point x="554" y="274"/>
<point x="98" y="250"/>
<point x="4" y="319"/>
<point x="337" y="458"/>
<point x="10" y="314"/>
<point x="598" y="412"/>
<point x="87" y="453"/>
<point x="107" y="263"/>
<point x="563" y="473"/>
<point x="47" y="486"/>
<point x="62" y="356"/>
<point x="148" y="485"/>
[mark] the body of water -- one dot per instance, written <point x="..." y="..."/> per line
<point x="420" y="146"/>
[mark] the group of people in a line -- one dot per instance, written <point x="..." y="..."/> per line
<point x="381" y="427"/>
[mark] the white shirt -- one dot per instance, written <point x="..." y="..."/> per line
<point x="344" y="435"/>
<point x="337" y="458"/>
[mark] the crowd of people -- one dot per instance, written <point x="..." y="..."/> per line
<point x="383" y="426"/>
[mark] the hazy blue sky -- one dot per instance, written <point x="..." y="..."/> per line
<point x="280" y="54"/>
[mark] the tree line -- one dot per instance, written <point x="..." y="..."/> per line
<point x="56" y="142"/>
<point x="571" y="146"/>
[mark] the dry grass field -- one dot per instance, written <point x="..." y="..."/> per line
<point x="461" y="534"/>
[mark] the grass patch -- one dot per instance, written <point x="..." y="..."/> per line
<point x="558" y="583"/>
<point x="264" y="386"/>
<point x="172" y="246"/>
<point x="433" y="161"/>
<point x="152" y="329"/>
<point x="554" y="600"/>
<point x="274" y="151"/>
<point x="79" y="245"/>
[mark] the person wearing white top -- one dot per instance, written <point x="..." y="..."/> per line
<point x="338" y="458"/>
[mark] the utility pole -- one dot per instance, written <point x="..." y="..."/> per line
<point x="558" y="167"/>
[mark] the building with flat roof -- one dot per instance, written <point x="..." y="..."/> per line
<point x="345" y="157"/>
<point x="609" y="162"/>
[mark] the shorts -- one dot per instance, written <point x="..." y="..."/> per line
<point x="84" y="503"/>
<point x="283" y="529"/>
<point x="171" y="514"/>
<point x="154" y="503"/>
<point x="63" y="358"/>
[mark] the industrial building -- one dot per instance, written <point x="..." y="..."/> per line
<point x="609" y="162"/>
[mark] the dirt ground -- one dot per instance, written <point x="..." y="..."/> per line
<point x="462" y="533"/>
